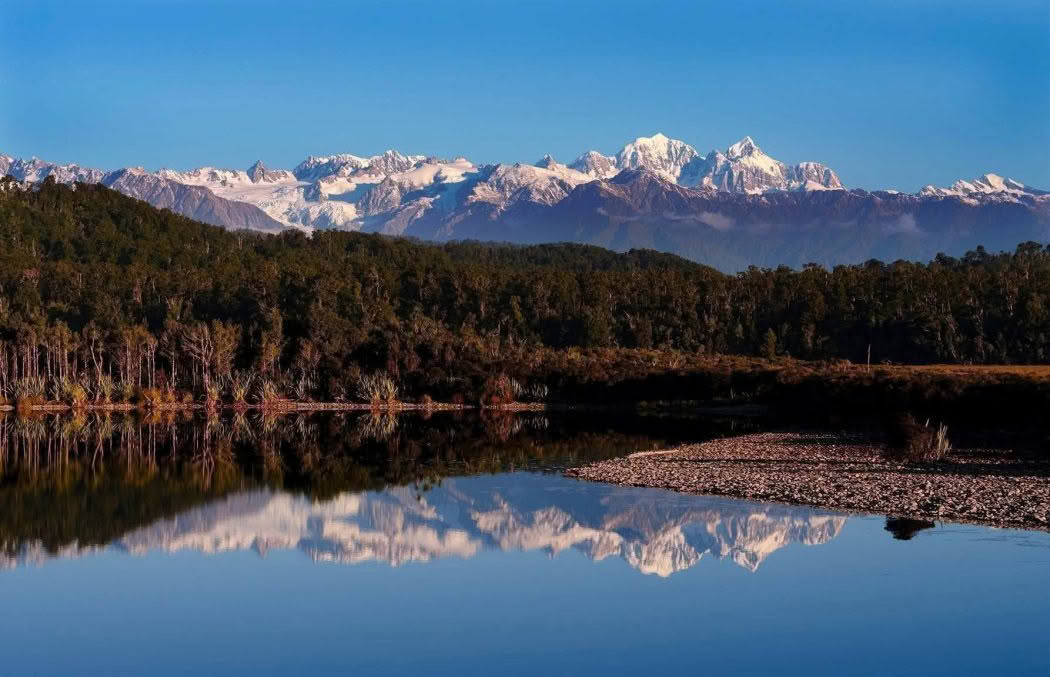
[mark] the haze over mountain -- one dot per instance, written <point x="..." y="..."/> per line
<point x="729" y="208"/>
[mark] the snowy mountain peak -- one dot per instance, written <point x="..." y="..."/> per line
<point x="594" y="164"/>
<point x="743" y="148"/>
<point x="547" y="161"/>
<point x="256" y="171"/>
<point x="991" y="185"/>
<point x="744" y="168"/>
<point x="657" y="153"/>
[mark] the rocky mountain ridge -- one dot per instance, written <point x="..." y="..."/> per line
<point x="730" y="208"/>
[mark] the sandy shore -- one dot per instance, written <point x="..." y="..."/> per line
<point x="845" y="472"/>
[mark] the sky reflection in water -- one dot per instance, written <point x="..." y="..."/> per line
<point x="524" y="573"/>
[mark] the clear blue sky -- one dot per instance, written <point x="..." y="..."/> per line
<point x="890" y="94"/>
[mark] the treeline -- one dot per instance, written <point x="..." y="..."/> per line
<point x="103" y="297"/>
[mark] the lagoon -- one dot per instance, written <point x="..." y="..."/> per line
<point x="468" y="572"/>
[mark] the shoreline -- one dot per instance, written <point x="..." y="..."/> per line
<point x="844" y="472"/>
<point x="733" y="410"/>
<point x="279" y="408"/>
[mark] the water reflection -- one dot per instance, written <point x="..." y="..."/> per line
<point x="90" y="480"/>
<point x="905" y="528"/>
<point x="362" y="488"/>
<point x="655" y="532"/>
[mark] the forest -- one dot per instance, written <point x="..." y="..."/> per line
<point x="104" y="298"/>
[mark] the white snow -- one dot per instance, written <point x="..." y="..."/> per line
<point x="988" y="185"/>
<point x="657" y="153"/>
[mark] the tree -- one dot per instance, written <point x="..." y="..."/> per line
<point x="769" y="345"/>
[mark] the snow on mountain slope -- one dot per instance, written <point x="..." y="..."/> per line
<point x="732" y="208"/>
<point x="986" y="186"/>
<point x="278" y="193"/>
<point x="329" y="192"/>
<point x="387" y="192"/>
<point x="195" y="201"/>
<point x="744" y="168"/>
<point x="657" y="153"/>
<point x="35" y="170"/>
<point x="505" y="185"/>
<point x="594" y="164"/>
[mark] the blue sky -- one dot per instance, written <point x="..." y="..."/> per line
<point x="890" y="94"/>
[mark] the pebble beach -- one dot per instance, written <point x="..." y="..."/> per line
<point x="847" y="472"/>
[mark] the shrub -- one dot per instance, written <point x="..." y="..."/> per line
<point x="240" y="385"/>
<point x="212" y="393"/>
<point x="377" y="388"/>
<point x="152" y="397"/>
<point x="269" y="392"/>
<point x="301" y="388"/>
<point x="29" y="388"/>
<point x="104" y="387"/>
<point x="499" y="389"/>
<point x="74" y="393"/>
<point x="28" y="392"/>
<point x="909" y="440"/>
<point x="537" y="392"/>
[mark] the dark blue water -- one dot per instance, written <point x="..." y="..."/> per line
<point x="526" y="573"/>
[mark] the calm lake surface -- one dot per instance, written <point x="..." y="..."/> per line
<point x="451" y="545"/>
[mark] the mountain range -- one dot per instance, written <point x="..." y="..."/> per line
<point x="730" y="208"/>
<point x="654" y="531"/>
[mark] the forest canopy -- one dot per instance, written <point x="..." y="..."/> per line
<point x="92" y="281"/>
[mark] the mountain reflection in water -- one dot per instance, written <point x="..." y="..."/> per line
<point x="331" y="544"/>
<point x="655" y="532"/>
<point x="73" y="483"/>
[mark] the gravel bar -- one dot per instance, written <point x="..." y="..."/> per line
<point x="845" y="472"/>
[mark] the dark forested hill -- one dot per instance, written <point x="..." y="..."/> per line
<point x="93" y="281"/>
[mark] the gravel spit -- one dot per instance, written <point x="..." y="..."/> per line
<point x="845" y="472"/>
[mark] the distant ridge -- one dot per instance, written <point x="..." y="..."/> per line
<point x="730" y="208"/>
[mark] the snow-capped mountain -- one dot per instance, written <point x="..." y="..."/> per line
<point x="731" y="208"/>
<point x="387" y="192"/>
<point x="35" y="170"/>
<point x="659" y="154"/>
<point x="988" y="185"/>
<point x="597" y="166"/>
<point x="744" y="168"/>
<point x="656" y="532"/>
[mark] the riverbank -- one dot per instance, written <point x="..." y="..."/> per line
<point x="280" y="407"/>
<point x="845" y="472"/>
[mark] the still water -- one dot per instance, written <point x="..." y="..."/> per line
<point x="353" y="546"/>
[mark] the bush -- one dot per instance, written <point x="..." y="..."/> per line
<point x="104" y="388"/>
<point x="74" y="393"/>
<point x="269" y="392"/>
<point x="240" y="385"/>
<point x="152" y="397"/>
<point x="377" y="388"/>
<point x="909" y="440"/>
<point x="212" y="393"/>
<point x="29" y="392"/>
<point x="499" y="389"/>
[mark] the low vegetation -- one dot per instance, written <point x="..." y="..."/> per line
<point x="910" y="440"/>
